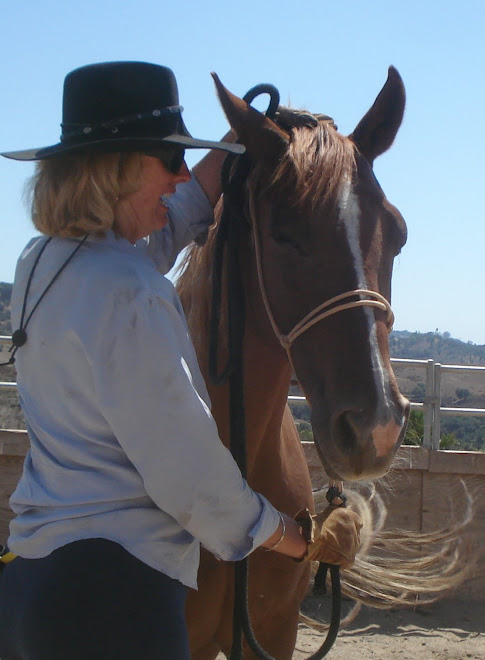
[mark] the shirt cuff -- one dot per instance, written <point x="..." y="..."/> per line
<point x="191" y="195"/>
<point x="189" y="216"/>
<point x="267" y="524"/>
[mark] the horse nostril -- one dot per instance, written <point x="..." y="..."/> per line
<point x="350" y="428"/>
<point x="362" y="443"/>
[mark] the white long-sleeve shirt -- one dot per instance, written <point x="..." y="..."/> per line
<point x="123" y="444"/>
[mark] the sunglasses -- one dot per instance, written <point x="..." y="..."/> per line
<point x="171" y="156"/>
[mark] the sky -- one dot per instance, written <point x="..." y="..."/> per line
<point x="329" y="57"/>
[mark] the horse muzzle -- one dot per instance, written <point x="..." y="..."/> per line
<point x="352" y="446"/>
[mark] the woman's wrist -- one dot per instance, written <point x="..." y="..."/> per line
<point x="272" y="546"/>
<point x="287" y="539"/>
<point x="208" y="170"/>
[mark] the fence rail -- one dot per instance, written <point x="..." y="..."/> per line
<point x="431" y="406"/>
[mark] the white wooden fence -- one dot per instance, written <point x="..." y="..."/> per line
<point x="431" y="406"/>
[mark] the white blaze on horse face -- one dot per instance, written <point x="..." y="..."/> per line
<point x="384" y="435"/>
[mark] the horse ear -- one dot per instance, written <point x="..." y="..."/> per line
<point x="262" y="138"/>
<point x="377" y="129"/>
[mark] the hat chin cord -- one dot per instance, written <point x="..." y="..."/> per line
<point x="19" y="337"/>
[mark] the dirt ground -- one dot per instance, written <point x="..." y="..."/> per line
<point x="449" y="630"/>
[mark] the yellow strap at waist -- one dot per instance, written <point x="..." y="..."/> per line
<point x="7" y="557"/>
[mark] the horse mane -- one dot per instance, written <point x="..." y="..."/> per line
<point x="318" y="158"/>
<point x="311" y="171"/>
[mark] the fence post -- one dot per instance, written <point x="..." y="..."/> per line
<point x="436" y="407"/>
<point x="428" y="404"/>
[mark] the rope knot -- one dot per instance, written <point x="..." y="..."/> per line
<point x="19" y="338"/>
<point x="285" y="341"/>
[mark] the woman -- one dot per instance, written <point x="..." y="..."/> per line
<point x="126" y="475"/>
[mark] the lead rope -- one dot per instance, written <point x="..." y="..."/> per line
<point x="228" y="235"/>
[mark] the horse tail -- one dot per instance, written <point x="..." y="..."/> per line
<point x="401" y="568"/>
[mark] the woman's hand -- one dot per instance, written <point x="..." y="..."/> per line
<point x="333" y="535"/>
<point x="208" y="170"/>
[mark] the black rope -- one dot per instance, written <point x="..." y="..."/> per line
<point x="335" y="615"/>
<point x="19" y="337"/>
<point x="234" y="173"/>
<point x="232" y="220"/>
<point x="265" y="88"/>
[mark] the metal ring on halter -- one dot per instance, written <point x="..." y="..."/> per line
<point x="335" y="497"/>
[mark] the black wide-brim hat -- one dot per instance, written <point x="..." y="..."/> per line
<point x="121" y="106"/>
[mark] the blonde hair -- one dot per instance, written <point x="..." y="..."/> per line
<point x="75" y="195"/>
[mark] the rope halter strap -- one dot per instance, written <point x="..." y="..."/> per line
<point x="372" y="299"/>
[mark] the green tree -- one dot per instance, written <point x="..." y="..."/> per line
<point x="415" y="430"/>
<point x="462" y="393"/>
<point x="449" y="441"/>
<point x="306" y="435"/>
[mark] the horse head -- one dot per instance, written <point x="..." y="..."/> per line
<point x="323" y="227"/>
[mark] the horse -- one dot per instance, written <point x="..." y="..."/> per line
<point x="316" y="251"/>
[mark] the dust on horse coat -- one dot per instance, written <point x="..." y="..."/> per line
<point x="323" y="227"/>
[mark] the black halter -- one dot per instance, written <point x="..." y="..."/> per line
<point x="234" y="174"/>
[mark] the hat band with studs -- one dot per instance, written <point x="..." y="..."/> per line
<point x="112" y="126"/>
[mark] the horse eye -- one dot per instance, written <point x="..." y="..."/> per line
<point x="285" y="240"/>
<point x="281" y="237"/>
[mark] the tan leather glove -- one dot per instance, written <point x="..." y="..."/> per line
<point x="333" y="536"/>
